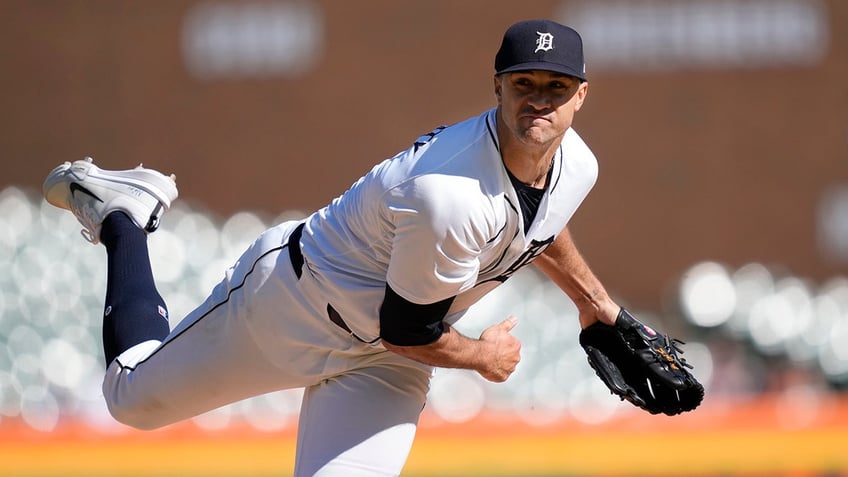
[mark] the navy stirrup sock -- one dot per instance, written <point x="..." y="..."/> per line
<point x="134" y="311"/>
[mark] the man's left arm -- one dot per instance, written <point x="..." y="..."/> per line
<point x="565" y="266"/>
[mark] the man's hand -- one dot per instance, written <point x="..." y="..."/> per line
<point x="601" y="309"/>
<point x="504" y="349"/>
<point x="494" y="355"/>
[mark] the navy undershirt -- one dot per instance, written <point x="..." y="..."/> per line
<point x="529" y="198"/>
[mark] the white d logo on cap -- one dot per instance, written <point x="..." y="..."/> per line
<point x="545" y="42"/>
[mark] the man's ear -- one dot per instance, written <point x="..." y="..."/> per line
<point x="497" y="82"/>
<point x="582" y="91"/>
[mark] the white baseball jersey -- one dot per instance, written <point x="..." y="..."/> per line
<point x="440" y="219"/>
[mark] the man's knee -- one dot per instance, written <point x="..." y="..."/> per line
<point x="129" y="401"/>
<point x="142" y="417"/>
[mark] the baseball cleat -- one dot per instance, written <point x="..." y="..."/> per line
<point x="91" y="194"/>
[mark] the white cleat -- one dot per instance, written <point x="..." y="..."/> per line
<point x="92" y="193"/>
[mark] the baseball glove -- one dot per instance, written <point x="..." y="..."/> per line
<point x="641" y="365"/>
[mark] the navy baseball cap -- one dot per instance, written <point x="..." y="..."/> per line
<point x="541" y="45"/>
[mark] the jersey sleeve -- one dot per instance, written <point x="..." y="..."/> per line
<point x="439" y="233"/>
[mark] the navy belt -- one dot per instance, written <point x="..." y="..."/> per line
<point x="296" y="257"/>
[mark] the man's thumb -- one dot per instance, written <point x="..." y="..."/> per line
<point x="509" y="323"/>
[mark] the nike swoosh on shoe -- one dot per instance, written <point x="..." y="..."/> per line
<point x="78" y="188"/>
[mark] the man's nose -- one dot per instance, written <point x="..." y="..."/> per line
<point x="539" y="99"/>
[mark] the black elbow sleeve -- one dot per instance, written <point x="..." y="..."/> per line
<point x="404" y="323"/>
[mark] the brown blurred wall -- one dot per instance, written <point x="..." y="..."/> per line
<point x="702" y="165"/>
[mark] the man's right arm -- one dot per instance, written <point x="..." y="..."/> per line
<point x="417" y="331"/>
<point x="494" y="355"/>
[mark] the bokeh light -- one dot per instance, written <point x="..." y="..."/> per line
<point x="51" y="360"/>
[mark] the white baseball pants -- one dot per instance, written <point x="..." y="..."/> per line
<point x="263" y="329"/>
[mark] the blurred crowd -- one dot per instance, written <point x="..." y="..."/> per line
<point x="750" y="330"/>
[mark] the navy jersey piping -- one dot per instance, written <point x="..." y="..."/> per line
<point x="559" y="171"/>
<point x="492" y="134"/>
<point x="500" y="259"/>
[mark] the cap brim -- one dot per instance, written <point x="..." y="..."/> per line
<point x="545" y="66"/>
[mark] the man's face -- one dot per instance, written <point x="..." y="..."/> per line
<point x="538" y="106"/>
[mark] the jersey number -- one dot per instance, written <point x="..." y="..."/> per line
<point x="536" y="248"/>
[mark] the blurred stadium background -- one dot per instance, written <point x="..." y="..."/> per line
<point x="720" y="216"/>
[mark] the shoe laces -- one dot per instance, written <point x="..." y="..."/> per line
<point x="85" y="216"/>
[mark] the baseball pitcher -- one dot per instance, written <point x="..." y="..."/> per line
<point x="357" y="302"/>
